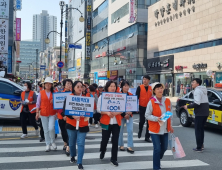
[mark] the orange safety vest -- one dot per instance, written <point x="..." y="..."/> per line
<point x="72" y="122"/>
<point x="145" y="95"/>
<point x="30" y="98"/>
<point x="46" y="107"/>
<point x="118" y="90"/>
<point x="154" y="126"/>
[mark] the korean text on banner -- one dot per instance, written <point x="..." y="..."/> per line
<point x="4" y="8"/>
<point x="79" y="106"/>
<point x="18" y="29"/>
<point x="58" y="99"/>
<point x="113" y="102"/>
<point x="132" y="16"/>
<point x="132" y="104"/>
<point x="4" y="36"/>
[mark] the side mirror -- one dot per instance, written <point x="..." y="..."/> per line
<point x="217" y="101"/>
<point x="17" y="92"/>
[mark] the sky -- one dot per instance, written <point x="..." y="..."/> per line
<point x="31" y="7"/>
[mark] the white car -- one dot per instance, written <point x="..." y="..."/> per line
<point x="10" y="105"/>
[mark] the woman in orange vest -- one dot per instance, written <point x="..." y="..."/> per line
<point x="48" y="114"/>
<point x="76" y="135"/>
<point x="110" y="123"/>
<point x="84" y="91"/>
<point x="127" y="118"/>
<point x="159" y="130"/>
<point x="28" y="100"/>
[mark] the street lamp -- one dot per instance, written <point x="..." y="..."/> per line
<point x="47" y="40"/>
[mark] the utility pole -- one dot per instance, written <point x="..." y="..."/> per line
<point x="36" y="77"/>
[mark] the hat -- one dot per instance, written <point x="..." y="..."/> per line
<point x="156" y="83"/>
<point x="48" y="80"/>
<point x="100" y="86"/>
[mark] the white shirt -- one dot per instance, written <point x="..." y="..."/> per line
<point x="112" y="120"/>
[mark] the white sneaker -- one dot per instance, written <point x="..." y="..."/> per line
<point x="54" y="147"/>
<point x="37" y="132"/>
<point x="24" y="136"/>
<point x="47" y="149"/>
<point x="96" y="126"/>
<point x="89" y="124"/>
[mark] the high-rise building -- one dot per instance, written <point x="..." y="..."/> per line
<point x="42" y="24"/>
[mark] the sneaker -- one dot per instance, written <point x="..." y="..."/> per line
<point x="197" y="150"/>
<point x="80" y="167"/>
<point x="96" y="126"/>
<point x="24" y="136"/>
<point x="148" y="140"/>
<point x="72" y="160"/>
<point x="47" y="149"/>
<point x="114" y="163"/>
<point x="37" y="132"/>
<point x="89" y="125"/>
<point x="41" y="140"/>
<point x="139" y="134"/>
<point x="102" y="154"/>
<point x="54" y="147"/>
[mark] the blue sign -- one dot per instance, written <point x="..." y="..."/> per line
<point x="42" y="67"/>
<point x="9" y="68"/>
<point x="96" y="79"/>
<point x="18" y="4"/>
<point x="76" y="46"/>
<point x="72" y="69"/>
<point x="60" y="64"/>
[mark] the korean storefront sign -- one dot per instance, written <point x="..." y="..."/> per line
<point x="4" y="9"/>
<point x="18" y="5"/>
<point x="102" y="74"/>
<point x="132" y="15"/>
<point x="18" y="29"/>
<point x="88" y="29"/>
<point x="114" y="73"/>
<point x="3" y="36"/>
<point x="4" y="59"/>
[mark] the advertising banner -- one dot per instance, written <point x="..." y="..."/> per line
<point x="58" y="99"/>
<point x="113" y="102"/>
<point x="4" y="36"/>
<point x="18" y="29"/>
<point x="132" y="15"/>
<point x="132" y="104"/>
<point x="4" y="8"/>
<point x="78" y="62"/>
<point x="79" y="106"/>
<point x="17" y="49"/>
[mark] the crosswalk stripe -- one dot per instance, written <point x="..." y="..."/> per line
<point x="100" y="134"/>
<point x="42" y="148"/>
<point x="63" y="157"/>
<point x="135" y="165"/>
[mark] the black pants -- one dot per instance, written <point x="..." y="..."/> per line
<point x="39" y="123"/>
<point x="142" y="111"/>
<point x="199" y="130"/>
<point x="114" y="129"/>
<point x="23" y="118"/>
<point x="96" y="118"/>
<point x="62" y="125"/>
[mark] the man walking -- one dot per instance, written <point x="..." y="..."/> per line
<point x="144" y="93"/>
<point x="201" y="111"/>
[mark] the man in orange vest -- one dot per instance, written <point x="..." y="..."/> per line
<point x="144" y="93"/>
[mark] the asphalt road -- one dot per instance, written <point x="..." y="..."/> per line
<point x="29" y="153"/>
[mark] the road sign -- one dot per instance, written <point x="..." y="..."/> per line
<point x="60" y="64"/>
<point x="42" y="67"/>
<point x="18" y="5"/>
<point x="76" y="46"/>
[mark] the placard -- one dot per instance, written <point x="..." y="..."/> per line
<point x="113" y="102"/>
<point x="132" y="104"/>
<point x="79" y="106"/>
<point x="58" y="99"/>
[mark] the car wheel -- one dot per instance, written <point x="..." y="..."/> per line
<point x="184" y="119"/>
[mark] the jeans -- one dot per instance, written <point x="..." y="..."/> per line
<point x="23" y="118"/>
<point x="129" y="127"/>
<point x="199" y="130"/>
<point x="79" y="137"/>
<point x="142" y="111"/>
<point x="114" y="129"/>
<point x="62" y="125"/>
<point x="160" y="144"/>
<point x="48" y="124"/>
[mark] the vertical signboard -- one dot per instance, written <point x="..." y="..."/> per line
<point x="17" y="49"/>
<point x="9" y="68"/>
<point x="88" y="29"/>
<point x="3" y="36"/>
<point x="18" y="29"/>
<point x="18" y="5"/>
<point x="132" y="16"/>
<point x="4" y="9"/>
<point x="4" y="59"/>
<point x="66" y="37"/>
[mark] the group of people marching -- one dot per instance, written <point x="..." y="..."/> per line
<point x="152" y="105"/>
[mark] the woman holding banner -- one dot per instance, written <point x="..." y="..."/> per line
<point x="127" y="118"/>
<point x="48" y="114"/>
<point x="77" y="128"/>
<point x="159" y="130"/>
<point x="110" y="123"/>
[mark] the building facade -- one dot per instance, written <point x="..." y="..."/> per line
<point x="127" y="40"/>
<point x="29" y="57"/>
<point x="42" y="24"/>
<point x="189" y="33"/>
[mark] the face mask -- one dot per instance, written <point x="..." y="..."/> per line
<point x="25" y="87"/>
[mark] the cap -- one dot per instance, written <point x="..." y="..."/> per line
<point x="156" y="83"/>
<point x="48" y="80"/>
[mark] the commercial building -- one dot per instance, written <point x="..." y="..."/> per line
<point x="127" y="37"/>
<point x="185" y="42"/>
<point x="42" y="24"/>
<point x="28" y="58"/>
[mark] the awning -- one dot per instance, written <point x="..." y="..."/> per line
<point x="113" y="78"/>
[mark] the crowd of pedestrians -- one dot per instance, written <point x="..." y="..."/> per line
<point x="152" y="105"/>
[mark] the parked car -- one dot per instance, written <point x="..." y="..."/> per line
<point x="215" y="108"/>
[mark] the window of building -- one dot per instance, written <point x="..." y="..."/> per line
<point x="113" y="1"/>
<point x="120" y="13"/>
<point x="100" y="26"/>
<point x="103" y="6"/>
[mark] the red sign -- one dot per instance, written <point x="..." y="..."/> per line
<point x="97" y="56"/>
<point x="180" y="67"/>
<point x="120" y="49"/>
<point x="104" y="54"/>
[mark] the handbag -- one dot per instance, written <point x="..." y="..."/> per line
<point x="176" y="147"/>
<point x="56" y="127"/>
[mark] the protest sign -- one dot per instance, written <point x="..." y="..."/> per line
<point x="132" y="104"/>
<point x="113" y="102"/>
<point x="58" y="99"/>
<point x="79" y="106"/>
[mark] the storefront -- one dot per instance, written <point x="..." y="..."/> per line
<point x="102" y="78"/>
<point x="114" y="75"/>
<point x="160" y="69"/>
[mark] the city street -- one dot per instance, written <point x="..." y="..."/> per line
<point x="29" y="153"/>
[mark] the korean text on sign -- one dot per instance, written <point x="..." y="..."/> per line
<point x="58" y="99"/>
<point x="79" y="106"/>
<point x="113" y="102"/>
<point x="132" y="104"/>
